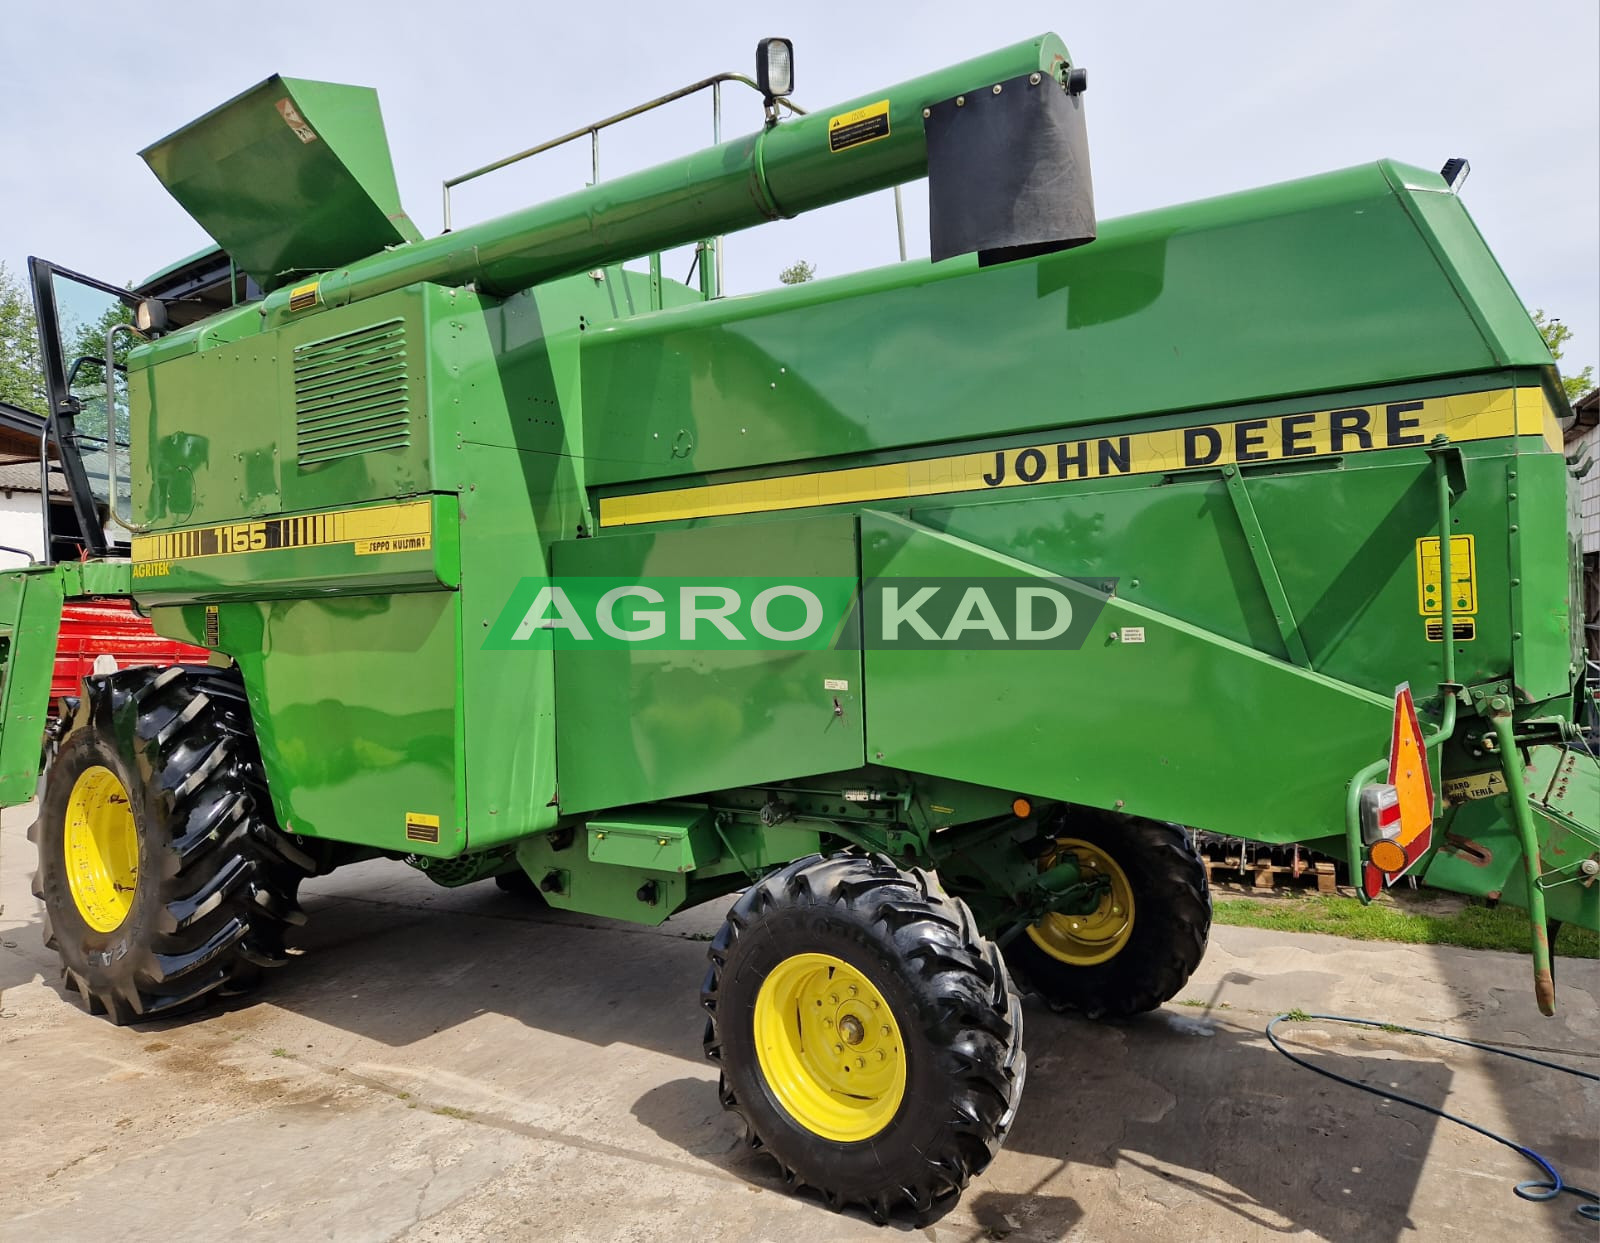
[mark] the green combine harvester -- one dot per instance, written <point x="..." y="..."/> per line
<point x="927" y="607"/>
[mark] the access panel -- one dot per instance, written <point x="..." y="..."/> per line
<point x="646" y="718"/>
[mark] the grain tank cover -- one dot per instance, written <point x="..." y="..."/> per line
<point x="290" y="177"/>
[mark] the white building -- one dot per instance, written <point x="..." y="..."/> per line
<point x="1582" y="441"/>
<point x="21" y="518"/>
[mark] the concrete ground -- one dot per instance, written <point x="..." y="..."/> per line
<point x="450" y="1065"/>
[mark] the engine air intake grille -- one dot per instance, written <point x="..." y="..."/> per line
<point x="351" y="394"/>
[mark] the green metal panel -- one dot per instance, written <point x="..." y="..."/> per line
<point x="294" y="555"/>
<point x="355" y="704"/>
<point x="638" y="726"/>
<point x="207" y="440"/>
<point x="290" y="176"/>
<point x="355" y="411"/>
<point x="1182" y="725"/>
<point x="1546" y="639"/>
<point x="1485" y="293"/>
<point x="508" y="510"/>
<point x="571" y="881"/>
<point x="1480" y="853"/>
<point x="95" y="578"/>
<point x="656" y="839"/>
<point x="638" y="879"/>
<point x="1314" y="285"/>
<point x="328" y="411"/>
<point x="30" y="621"/>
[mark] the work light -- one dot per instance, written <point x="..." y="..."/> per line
<point x="775" y="68"/>
<point x="150" y="317"/>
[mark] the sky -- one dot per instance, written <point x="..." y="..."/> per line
<point x="1185" y="101"/>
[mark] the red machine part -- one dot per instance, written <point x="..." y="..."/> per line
<point x="109" y="627"/>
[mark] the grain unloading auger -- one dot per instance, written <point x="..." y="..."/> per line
<point x="924" y="605"/>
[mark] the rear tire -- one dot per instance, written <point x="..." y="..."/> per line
<point x="850" y="948"/>
<point x="1166" y="939"/>
<point x="164" y="877"/>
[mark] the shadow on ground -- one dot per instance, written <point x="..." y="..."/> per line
<point x="1185" y="1103"/>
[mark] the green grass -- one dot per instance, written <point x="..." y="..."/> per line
<point x="1472" y="927"/>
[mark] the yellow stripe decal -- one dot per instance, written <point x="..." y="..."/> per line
<point x="407" y="527"/>
<point x="1350" y="429"/>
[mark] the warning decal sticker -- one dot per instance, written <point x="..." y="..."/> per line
<point x="863" y="125"/>
<point x="421" y="828"/>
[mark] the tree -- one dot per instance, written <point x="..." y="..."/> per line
<point x="1556" y="334"/>
<point x="798" y="273"/>
<point x="21" y="377"/>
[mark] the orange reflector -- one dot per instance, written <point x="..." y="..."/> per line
<point x="1387" y="855"/>
<point x="1408" y="769"/>
<point x="1398" y="819"/>
<point x="1022" y="808"/>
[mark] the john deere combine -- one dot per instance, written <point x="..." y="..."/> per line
<point x="923" y="605"/>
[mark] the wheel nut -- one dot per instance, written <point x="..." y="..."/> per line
<point x="861" y="1063"/>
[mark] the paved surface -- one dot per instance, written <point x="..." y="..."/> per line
<point x="448" y="1065"/>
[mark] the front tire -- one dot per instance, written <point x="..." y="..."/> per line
<point x="1148" y="934"/>
<point x="163" y="874"/>
<point x="867" y="1035"/>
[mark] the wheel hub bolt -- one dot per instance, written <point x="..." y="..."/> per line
<point x="850" y="1029"/>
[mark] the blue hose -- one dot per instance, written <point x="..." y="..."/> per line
<point x="1537" y="1189"/>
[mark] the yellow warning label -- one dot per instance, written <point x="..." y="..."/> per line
<point x="1475" y="786"/>
<point x="421" y="828"/>
<point x="1463" y="575"/>
<point x="304" y="297"/>
<point x="861" y="125"/>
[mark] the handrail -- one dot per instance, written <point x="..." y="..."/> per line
<point x="593" y="131"/>
<point x="138" y="528"/>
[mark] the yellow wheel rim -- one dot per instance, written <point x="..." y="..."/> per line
<point x="102" y="849"/>
<point x="829" y="1047"/>
<point x="1085" y="940"/>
